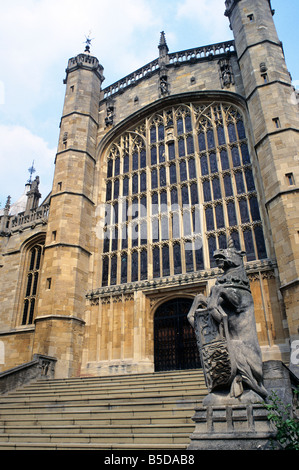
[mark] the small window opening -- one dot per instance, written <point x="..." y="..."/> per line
<point x="277" y="122"/>
<point x="72" y="88"/>
<point x="265" y="77"/>
<point x="59" y="186"/>
<point x="290" y="179"/>
<point x="49" y="282"/>
<point x="54" y="235"/>
<point x="250" y="17"/>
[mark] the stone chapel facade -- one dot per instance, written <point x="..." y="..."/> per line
<point x="152" y="174"/>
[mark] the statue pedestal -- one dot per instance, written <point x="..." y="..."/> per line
<point x="233" y="425"/>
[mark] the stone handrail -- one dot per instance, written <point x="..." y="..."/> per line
<point x="41" y="367"/>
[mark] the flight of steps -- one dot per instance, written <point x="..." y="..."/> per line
<point x="145" y="411"/>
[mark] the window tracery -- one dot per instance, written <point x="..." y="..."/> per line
<point x="177" y="186"/>
<point x="34" y="262"/>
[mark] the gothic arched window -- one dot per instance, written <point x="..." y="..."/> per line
<point x="178" y="185"/>
<point x="33" y="263"/>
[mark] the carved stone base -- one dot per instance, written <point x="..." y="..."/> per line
<point x="242" y="426"/>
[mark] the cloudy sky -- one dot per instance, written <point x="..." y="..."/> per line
<point x="37" y="37"/>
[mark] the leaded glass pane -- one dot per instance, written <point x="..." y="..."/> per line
<point x="249" y="180"/>
<point x="224" y="160"/>
<point x="156" y="262"/>
<point x="126" y="186"/>
<point x="153" y="134"/>
<point x="188" y="123"/>
<point x="154" y="179"/>
<point x="180" y="126"/>
<point x="171" y="152"/>
<point x="219" y="216"/>
<point x="221" y="135"/>
<point x="192" y="169"/>
<point x="126" y="163"/>
<point x="189" y="257"/>
<point x="232" y="219"/>
<point x="116" y="189"/>
<point x="249" y="246"/>
<point x="172" y="174"/>
<point x="109" y="168"/>
<point x="245" y="154"/>
<point x="108" y="191"/>
<point x="163" y="201"/>
<point x="216" y="188"/>
<point x="210" y="138"/>
<point x="124" y="268"/>
<point x="174" y="196"/>
<point x="213" y="163"/>
<point x="117" y="166"/>
<point x="209" y="218"/>
<point x="201" y="142"/>
<point x="165" y="261"/>
<point x="254" y="208"/>
<point x="228" y="185"/>
<point x="194" y="194"/>
<point x="142" y="158"/>
<point x="260" y="242"/>
<point x="181" y="145"/>
<point x="204" y="165"/>
<point x="212" y="248"/>
<point x="244" y="211"/>
<point x="207" y="191"/>
<point x="134" y="266"/>
<point x="161" y="132"/>
<point x="143" y="265"/>
<point x="185" y="195"/>
<point x="162" y="176"/>
<point x="239" y="182"/>
<point x="177" y="259"/>
<point x="190" y="145"/>
<point x="154" y="155"/>
<point x="183" y="170"/>
<point x="199" y="259"/>
<point x="105" y="271"/>
<point x="232" y="132"/>
<point x="241" y="130"/>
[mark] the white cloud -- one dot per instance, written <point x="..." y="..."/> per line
<point x="19" y="147"/>
<point x="209" y="14"/>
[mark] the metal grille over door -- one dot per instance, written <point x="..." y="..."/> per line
<point x="175" y="342"/>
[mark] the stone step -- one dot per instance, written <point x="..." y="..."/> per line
<point x="151" y="376"/>
<point x="82" y="392"/>
<point x="94" y="446"/>
<point x="98" y="388"/>
<point x="156" y="418"/>
<point x="98" y="429"/>
<point x="147" y="411"/>
<point x="103" y="404"/>
<point x="104" y="438"/>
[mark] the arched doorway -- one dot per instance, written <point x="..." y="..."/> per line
<point x="174" y="339"/>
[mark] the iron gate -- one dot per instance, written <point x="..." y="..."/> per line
<point x="174" y="338"/>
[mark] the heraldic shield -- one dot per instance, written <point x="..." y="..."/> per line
<point x="213" y="347"/>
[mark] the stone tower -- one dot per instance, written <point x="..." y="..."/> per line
<point x="68" y="244"/>
<point x="273" y="110"/>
